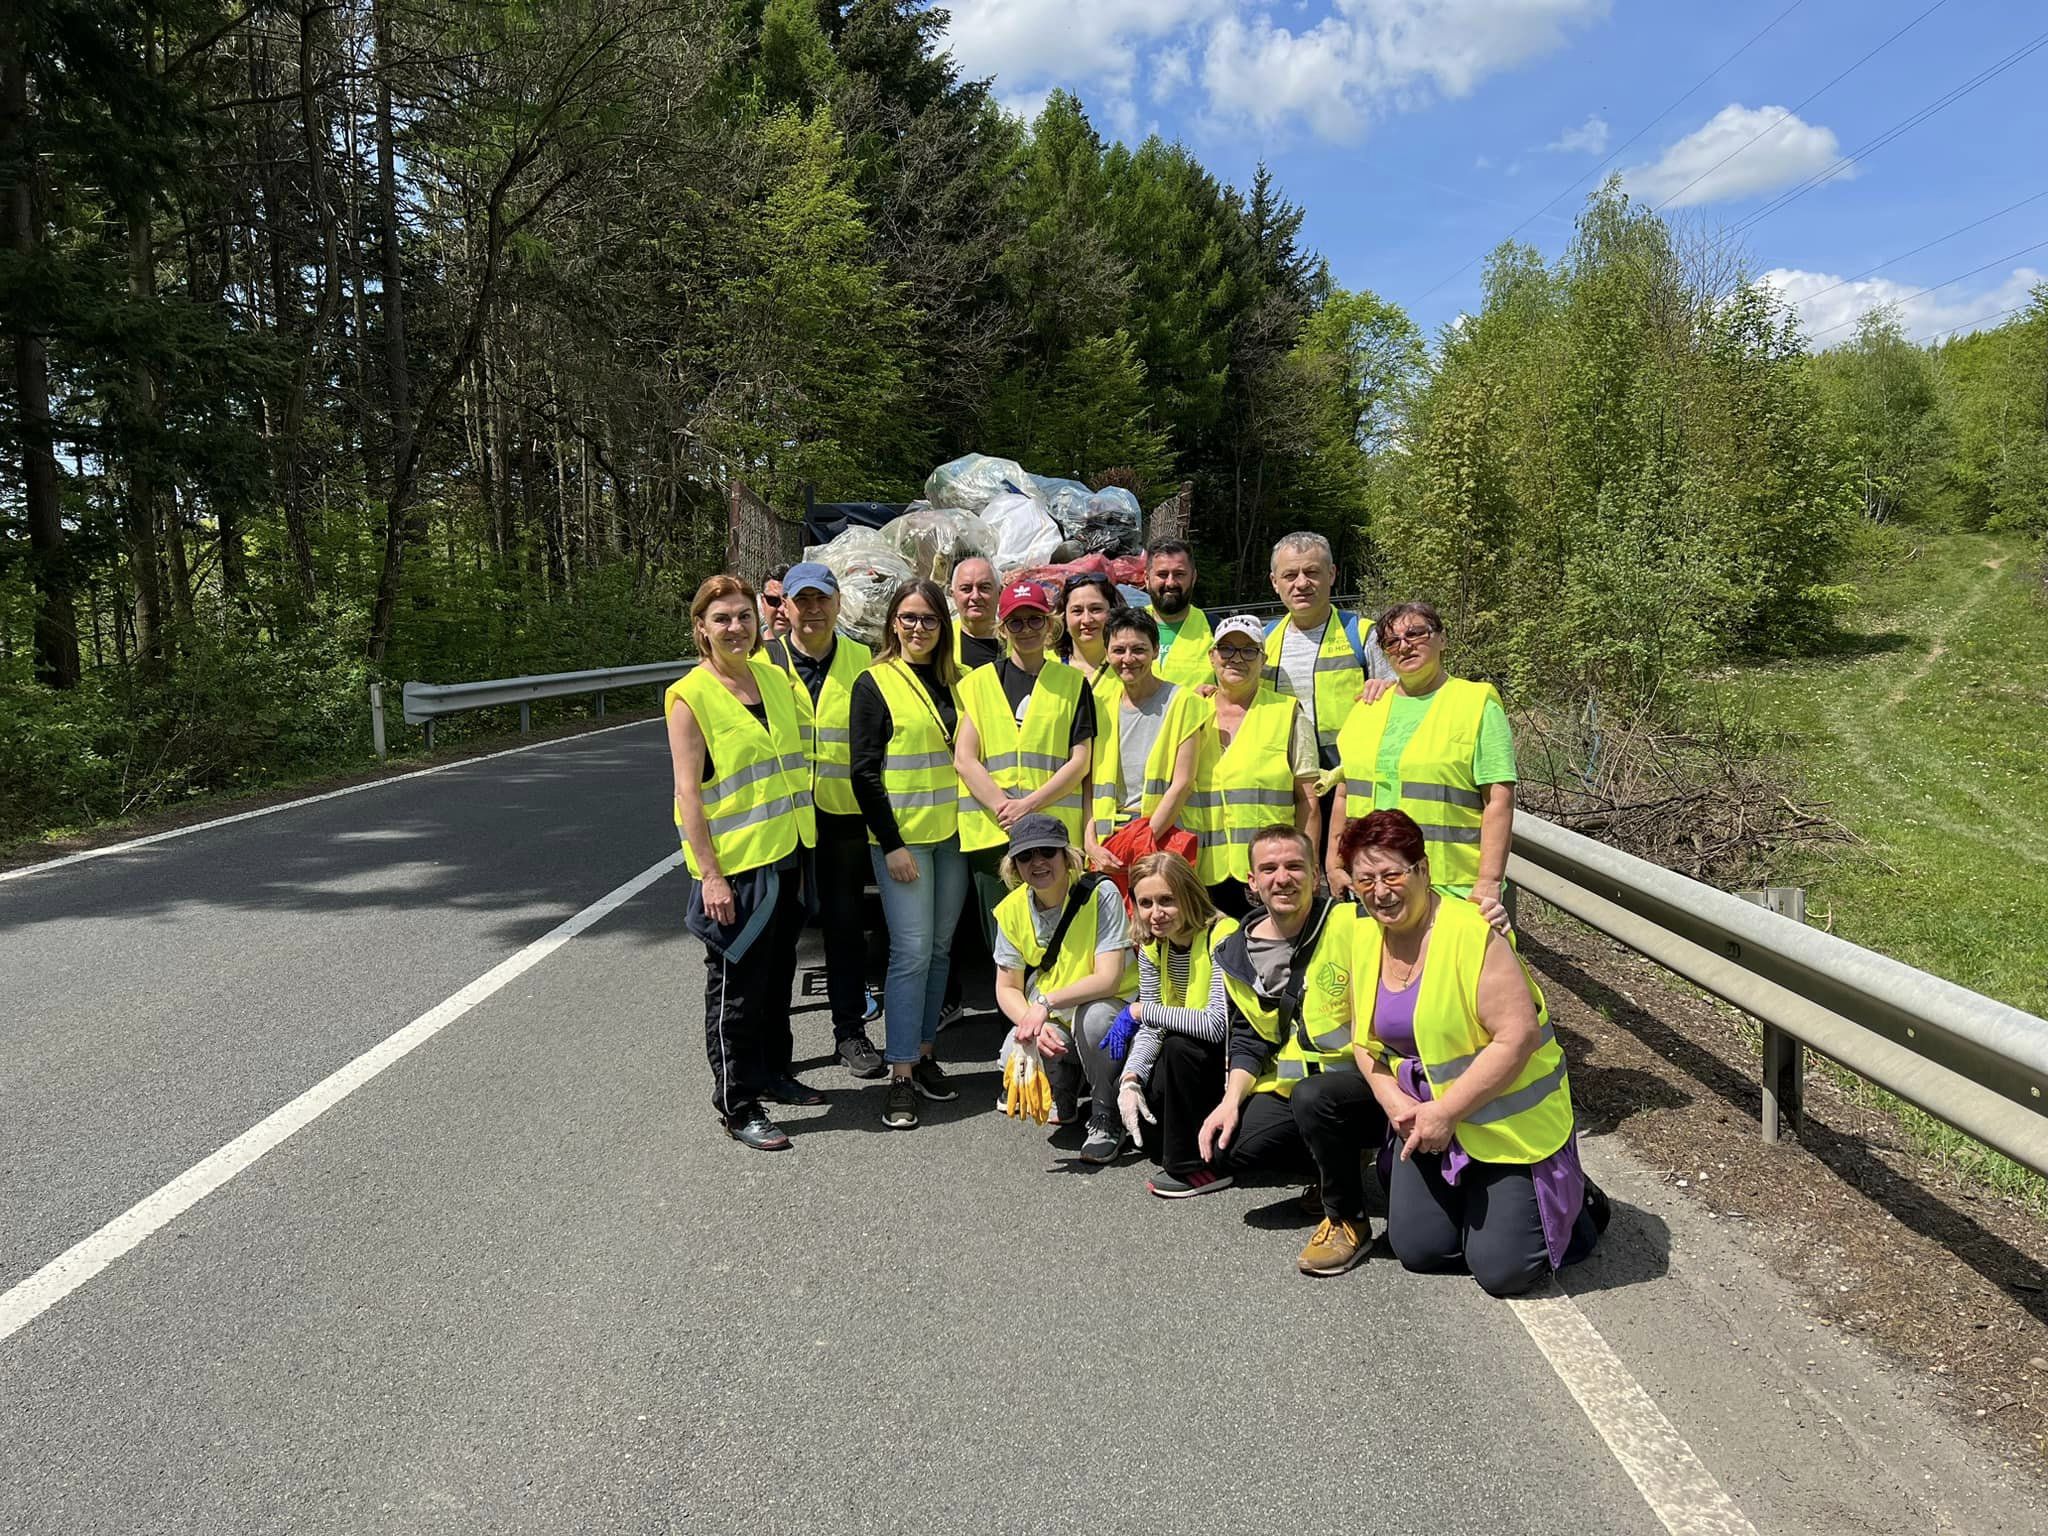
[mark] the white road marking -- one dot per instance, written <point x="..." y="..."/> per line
<point x="64" y="1274"/>
<point x="291" y="805"/>
<point x="1675" y="1483"/>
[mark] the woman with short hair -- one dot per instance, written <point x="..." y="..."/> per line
<point x="1259" y="766"/>
<point x="1481" y="1158"/>
<point x="1147" y="743"/>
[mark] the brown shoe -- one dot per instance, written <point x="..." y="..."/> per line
<point x="1338" y="1245"/>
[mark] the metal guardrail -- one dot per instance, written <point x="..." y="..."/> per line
<point x="427" y="702"/>
<point x="1978" y="1064"/>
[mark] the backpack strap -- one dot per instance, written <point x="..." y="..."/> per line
<point x="1082" y="893"/>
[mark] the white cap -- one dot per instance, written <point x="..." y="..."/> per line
<point x="1241" y="624"/>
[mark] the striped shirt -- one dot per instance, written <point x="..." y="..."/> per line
<point x="1207" y="1023"/>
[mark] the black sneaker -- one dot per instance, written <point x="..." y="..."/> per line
<point x="784" y="1089"/>
<point x="858" y="1055"/>
<point x="899" y="1109"/>
<point x="951" y="1013"/>
<point x="751" y="1127"/>
<point x="932" y="1082"/>
<point x="1597" y="1206"/>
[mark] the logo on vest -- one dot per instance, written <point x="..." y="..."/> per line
<point x="1331" y="979"/>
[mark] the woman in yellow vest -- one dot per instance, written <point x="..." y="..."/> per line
<point x="743" y="804"/>
<point x="904" y="717"/>
<point x="1087" y="604"/>
<point x="1440" y="748"/>
<point x="1260" y="767"/>
<point x="1063" y="964"/>
<point x="1481" y="1161"/>
<point x="1148" y="740"/>
<point x="1175" y="1063"/>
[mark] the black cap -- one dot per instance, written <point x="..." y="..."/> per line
<point x="1038" y="830"/>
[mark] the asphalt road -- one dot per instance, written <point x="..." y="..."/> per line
<point x="519" y="1281"/>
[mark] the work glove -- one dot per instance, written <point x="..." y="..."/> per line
<point x="1027" y="1091"/>
<point x="1133" y="1110"/>
<point x="1117" y="1043"/>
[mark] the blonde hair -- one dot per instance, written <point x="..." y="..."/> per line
<point x="1008" y="868"/>
<point x="1197" y="911"/>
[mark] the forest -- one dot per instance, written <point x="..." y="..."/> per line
<point x="375" y="339"/>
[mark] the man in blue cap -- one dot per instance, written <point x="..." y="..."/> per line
<point x="826" y="663"/>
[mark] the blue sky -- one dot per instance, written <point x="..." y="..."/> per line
<point x="1419" y="133"/>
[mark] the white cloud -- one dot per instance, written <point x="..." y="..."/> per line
<point x="1829" y="308"/>
<point x="1024" y="104"/>
<point x="1363" y="58"/>
<point x="1589" y="138"/>
<point x="1691" y="172"/>
<point x="1482" y="163"/>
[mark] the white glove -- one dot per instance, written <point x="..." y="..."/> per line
<point x="1132" y="1108"/>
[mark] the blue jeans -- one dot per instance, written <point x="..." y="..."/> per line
<point x="921" y="915"/>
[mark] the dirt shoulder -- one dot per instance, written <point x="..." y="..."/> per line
<point x="1880" y="1243"/>
<point x="33" y="851"/>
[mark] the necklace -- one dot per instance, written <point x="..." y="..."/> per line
<point x="1411" y="968"/>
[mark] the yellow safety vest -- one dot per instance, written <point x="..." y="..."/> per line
<point x="960" y="639"/>
<point x="827" y="728"/>
<point x="1201" y="966"/>
<point x="1186" y="713"/>
<point x="917" y="765"/>
<point x="1321" y="1037"/>
<point x="1436" y="785"/>
<point x="1251" y="782"/>
<point x="1340" y="673"/>
<point x="1076" y="958"/>
<point x="1020" y="761"/>
<point x="759" y="806"/>
<point x="1186" y="661"/>
<point x="1532" y="1118"/>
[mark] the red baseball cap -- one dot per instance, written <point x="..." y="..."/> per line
<point x="1027" y="595"/>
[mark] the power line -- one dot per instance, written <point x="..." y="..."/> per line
<point x="1569" y="187"/>
<point x="1939" y="104"/>
<point x="1923" y="292"/>
<point x="1793" y="111"/>
<point x="1971" y="325"/>
<point x="1893" y="261"/>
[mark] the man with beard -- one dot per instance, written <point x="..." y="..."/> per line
<point x="1184" y="636"/>
<point x="1294" y="1099"/>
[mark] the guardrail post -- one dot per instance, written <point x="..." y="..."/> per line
<point x="1784" y="1099"/>
<point x="430" y="735"/>
<point x="377" y="719"/>
<point x="525" y="718"/>
<point x="600" y="703"/>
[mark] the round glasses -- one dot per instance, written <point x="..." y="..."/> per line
<point x="917" y="621"/>
<point x="1372" y="880"/>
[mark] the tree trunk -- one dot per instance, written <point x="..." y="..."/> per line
<point x="139" y="507"/>
<point x="398" y="531"/>
<point x="56" y="612"/>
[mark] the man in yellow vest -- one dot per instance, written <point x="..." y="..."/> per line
<point x="1294" y="1097"/>
<point x="1184" y="635"/>
<point x="1320" y="655"/>
<point x="824" y="664"/>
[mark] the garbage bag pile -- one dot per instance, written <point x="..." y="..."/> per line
<point x="1028" y="526"/>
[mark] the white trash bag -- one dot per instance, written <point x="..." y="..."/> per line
<point x="935" y="539"/>
<point x="1025" y="533"/>
<point x="973" y="480"/>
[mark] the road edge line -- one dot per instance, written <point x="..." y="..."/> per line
<point x="287" y="805"/>
<point x="27" y="1300"/>
<point x="1676" y="1485"/>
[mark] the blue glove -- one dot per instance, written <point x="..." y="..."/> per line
<point x="1118" y="1041"/>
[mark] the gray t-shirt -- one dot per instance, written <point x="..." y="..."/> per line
<point x="1298" y="651"/>
<point x="1272" y="963"/>
<point x="1137" y="729"/>
<point x="1112" y="929"/>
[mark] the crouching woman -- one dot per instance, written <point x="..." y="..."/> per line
<point x="1063" y="965"/>
<point x="1481" y="1161"/>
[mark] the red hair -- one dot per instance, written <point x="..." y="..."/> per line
<point x="1395" y="831"/>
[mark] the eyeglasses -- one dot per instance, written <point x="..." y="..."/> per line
<point x="917" y="621"/>
<point x="1372" y="880"/>
<point x="1409" y="637"/>
<point x="1238" y="654"/>
<point x="1025" y="623"/>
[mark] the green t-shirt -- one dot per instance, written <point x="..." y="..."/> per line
<point x="1168" y="631"/>
<point x="1493" y="754"/>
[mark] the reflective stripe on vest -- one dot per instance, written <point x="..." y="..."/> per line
<point x="1532" y="1117"/>
<point x="917" y="764"/>
<point x="827" y="731"/>
<point x="1186" y="713"/>
<point x="1252" y="783"/>
<point x="759" y="806"/>
<point x="1076" y="959"/>
<point x="1436" y="786"/>
<point x="1021" y="761"/>
<point x="1187" y="661"/>
<point x="1322" y="1035"/>
<point x="1340" y="673"/>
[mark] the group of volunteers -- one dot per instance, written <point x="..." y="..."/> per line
<point x="1240" y="886"/>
